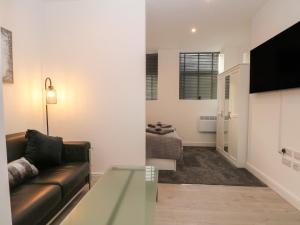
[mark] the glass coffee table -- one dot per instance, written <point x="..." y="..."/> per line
<point x="122" y="196"/>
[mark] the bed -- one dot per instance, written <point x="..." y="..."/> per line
<point x="163" y="151"/>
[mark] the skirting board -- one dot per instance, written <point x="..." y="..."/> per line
<point x="275" y="186"/>
<point x="199" y="144"/>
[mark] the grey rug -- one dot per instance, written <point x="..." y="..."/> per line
<point x="207" y="166"/>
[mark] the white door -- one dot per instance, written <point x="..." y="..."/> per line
<point x="233" y="117"/>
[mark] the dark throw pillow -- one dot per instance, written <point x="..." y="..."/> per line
<point x="42" y="150"/>
<point x="20" y="170"/>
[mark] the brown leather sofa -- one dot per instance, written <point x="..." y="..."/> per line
<point x="38" y="200"/>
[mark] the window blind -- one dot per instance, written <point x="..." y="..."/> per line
<point x="198" y="75"/>
<point x="151" y="76"/>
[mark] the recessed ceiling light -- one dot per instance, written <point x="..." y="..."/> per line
<point x="193" y="30"/>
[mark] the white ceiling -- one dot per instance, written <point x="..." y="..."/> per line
<point x="169" y="22"/>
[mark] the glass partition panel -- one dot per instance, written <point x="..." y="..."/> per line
<point x="226" y="111"/>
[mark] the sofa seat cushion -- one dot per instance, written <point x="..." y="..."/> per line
<point x="71" y="177"/>
<point x="31" y="203"/>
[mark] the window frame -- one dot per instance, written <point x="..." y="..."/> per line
<point x="152" y="77"/>
<point x="214" y="73"/>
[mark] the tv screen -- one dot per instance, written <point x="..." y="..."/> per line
<point x="275" y="64"/>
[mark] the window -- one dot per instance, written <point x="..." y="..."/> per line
<point x="198" y="75"/>
<point x="151" y="76"/>
<point x="227" y="87"/>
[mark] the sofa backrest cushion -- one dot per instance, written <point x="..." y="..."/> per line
<point x="42" y="150"/>
<point x="16" y="144"/>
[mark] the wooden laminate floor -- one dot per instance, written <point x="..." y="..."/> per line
<point x="222" y="205"/>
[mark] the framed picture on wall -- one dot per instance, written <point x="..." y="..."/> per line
<point x="7" y="72"/>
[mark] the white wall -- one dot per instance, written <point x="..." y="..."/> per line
<point x="5" y="209"/>
<point x="95" y="55"/>
<point x="20" y="103"/>
<point x="23" y="99"/>
<point x="168" y="33"/>
<point x="4" y="186"/>
<point x="274" y="116"/>
<point x="184" y="114"/>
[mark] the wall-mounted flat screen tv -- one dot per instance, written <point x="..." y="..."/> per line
<point x="275" y="64"/>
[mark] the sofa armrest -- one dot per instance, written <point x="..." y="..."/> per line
<point x="75" y="151"/>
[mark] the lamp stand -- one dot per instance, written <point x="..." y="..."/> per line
<point x="47" y="122"/>
<point x="50" y="98"/>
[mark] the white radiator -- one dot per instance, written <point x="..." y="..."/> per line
<point x="207" y="124"/>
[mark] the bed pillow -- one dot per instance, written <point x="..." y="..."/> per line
<point x="160" y="131"/>
<point x="42" y="150"/>
<point x="19" y="171"/>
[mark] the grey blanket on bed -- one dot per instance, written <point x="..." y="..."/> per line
<point x="168" y="146"/>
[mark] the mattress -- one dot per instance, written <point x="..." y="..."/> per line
<point x="168" y="146"/>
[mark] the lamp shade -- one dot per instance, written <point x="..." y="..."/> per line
<point x="51" y="97"/>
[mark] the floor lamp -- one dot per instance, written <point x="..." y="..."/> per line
<point x="51" y="97"/>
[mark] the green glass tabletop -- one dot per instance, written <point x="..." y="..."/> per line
<point x="123" y="196"/>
